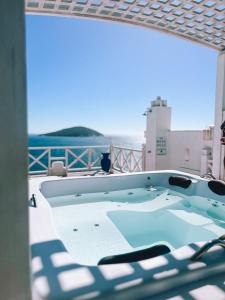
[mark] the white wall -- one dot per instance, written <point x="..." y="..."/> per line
<point x="182" y="142"/>
<point x="14" y="249"/>
<point x="157" y="126"/>
<point x="183" y="150"/>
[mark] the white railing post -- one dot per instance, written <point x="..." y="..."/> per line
<point x="130" y="161"/>
<point x="111" y="157"/>
<point x="121" y="160"/>
<point x="143" y="161"/>
<point x="49" y="158"/>
<point x="89" y="158"/>
<point x="66" y="159"/>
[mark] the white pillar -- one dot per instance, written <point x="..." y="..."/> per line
<point x="14" y="249"/>
<point x="157" y="134"/>
<point x="150" y="148"/>
<point x="219" y="108"/>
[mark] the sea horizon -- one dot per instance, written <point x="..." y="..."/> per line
<point x="130" y="141"/>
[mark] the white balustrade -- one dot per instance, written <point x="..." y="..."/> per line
<point x="126" y="159"/>
<point x="75" y="158"/>
<point x="84" y="158"/>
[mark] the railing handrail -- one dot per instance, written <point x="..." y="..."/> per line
<point x="126" y="148"/>
<point x="67" y="147"/>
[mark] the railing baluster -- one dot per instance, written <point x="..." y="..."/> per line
<point x="49" y="158"/>
<point x="89" y="158"/>
<point x="66" y="159"/>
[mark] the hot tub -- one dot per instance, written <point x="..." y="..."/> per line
<point x="106" y="216"/>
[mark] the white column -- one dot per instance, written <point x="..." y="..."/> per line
<point x="14" y="250"/>
<point x="150" y="148"/>
<point x="219" y="108"/>
<point x="158" y="122"/>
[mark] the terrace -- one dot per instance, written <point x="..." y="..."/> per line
<point x="174" y="275"/>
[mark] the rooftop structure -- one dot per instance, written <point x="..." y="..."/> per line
<point x="201" y="21"/>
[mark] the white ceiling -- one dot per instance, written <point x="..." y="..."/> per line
<point x="201" y="21"/>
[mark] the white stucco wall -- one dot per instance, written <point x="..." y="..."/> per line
<point x="157" y="126"/>
<point x="185" y="150"/>
<point x="14" y="244"/>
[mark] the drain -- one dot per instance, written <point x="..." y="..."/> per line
<point x="77" y="195"/>
<point x="106" y="192"/>
<point x="130" y="193"/>
<point x="96" y="225"/>
<point x="75" y="229"/>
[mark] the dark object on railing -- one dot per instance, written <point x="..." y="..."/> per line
<point x="33" y="202"/>
<point x="198" y="254"/>
<point x="222" y="127"/>
<point x="180" y="181"/>
<point x="105" y="162"/>
<point x="217" y="187"/>
<point x="135" y="256"/>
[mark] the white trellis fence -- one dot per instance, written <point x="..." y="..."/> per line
<point x="75" y="158"/>
<point x="83" y="158"/>
<point x="126" y="159"/>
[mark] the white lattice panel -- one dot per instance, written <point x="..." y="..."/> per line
<point x="201" y="21"/>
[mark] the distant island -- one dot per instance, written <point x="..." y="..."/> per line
<point x="78" y="131"/>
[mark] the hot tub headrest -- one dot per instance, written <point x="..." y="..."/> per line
<point x="180" y="181"/>
<point x="217" y="187"/>
<point x="135" y="256"/>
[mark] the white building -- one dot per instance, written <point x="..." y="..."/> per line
<point x="184" y="150"/>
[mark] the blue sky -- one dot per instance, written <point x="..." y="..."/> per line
<point x="103" y="75"/>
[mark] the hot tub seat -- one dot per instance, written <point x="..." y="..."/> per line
<point x="180" y="181"/>
<point x="135" y="256"/>
<point x="217" y="187"/>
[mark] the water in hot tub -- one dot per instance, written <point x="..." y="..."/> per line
<point x="96" y="225"/>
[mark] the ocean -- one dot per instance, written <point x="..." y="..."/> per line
<point x="133" y="142"/>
